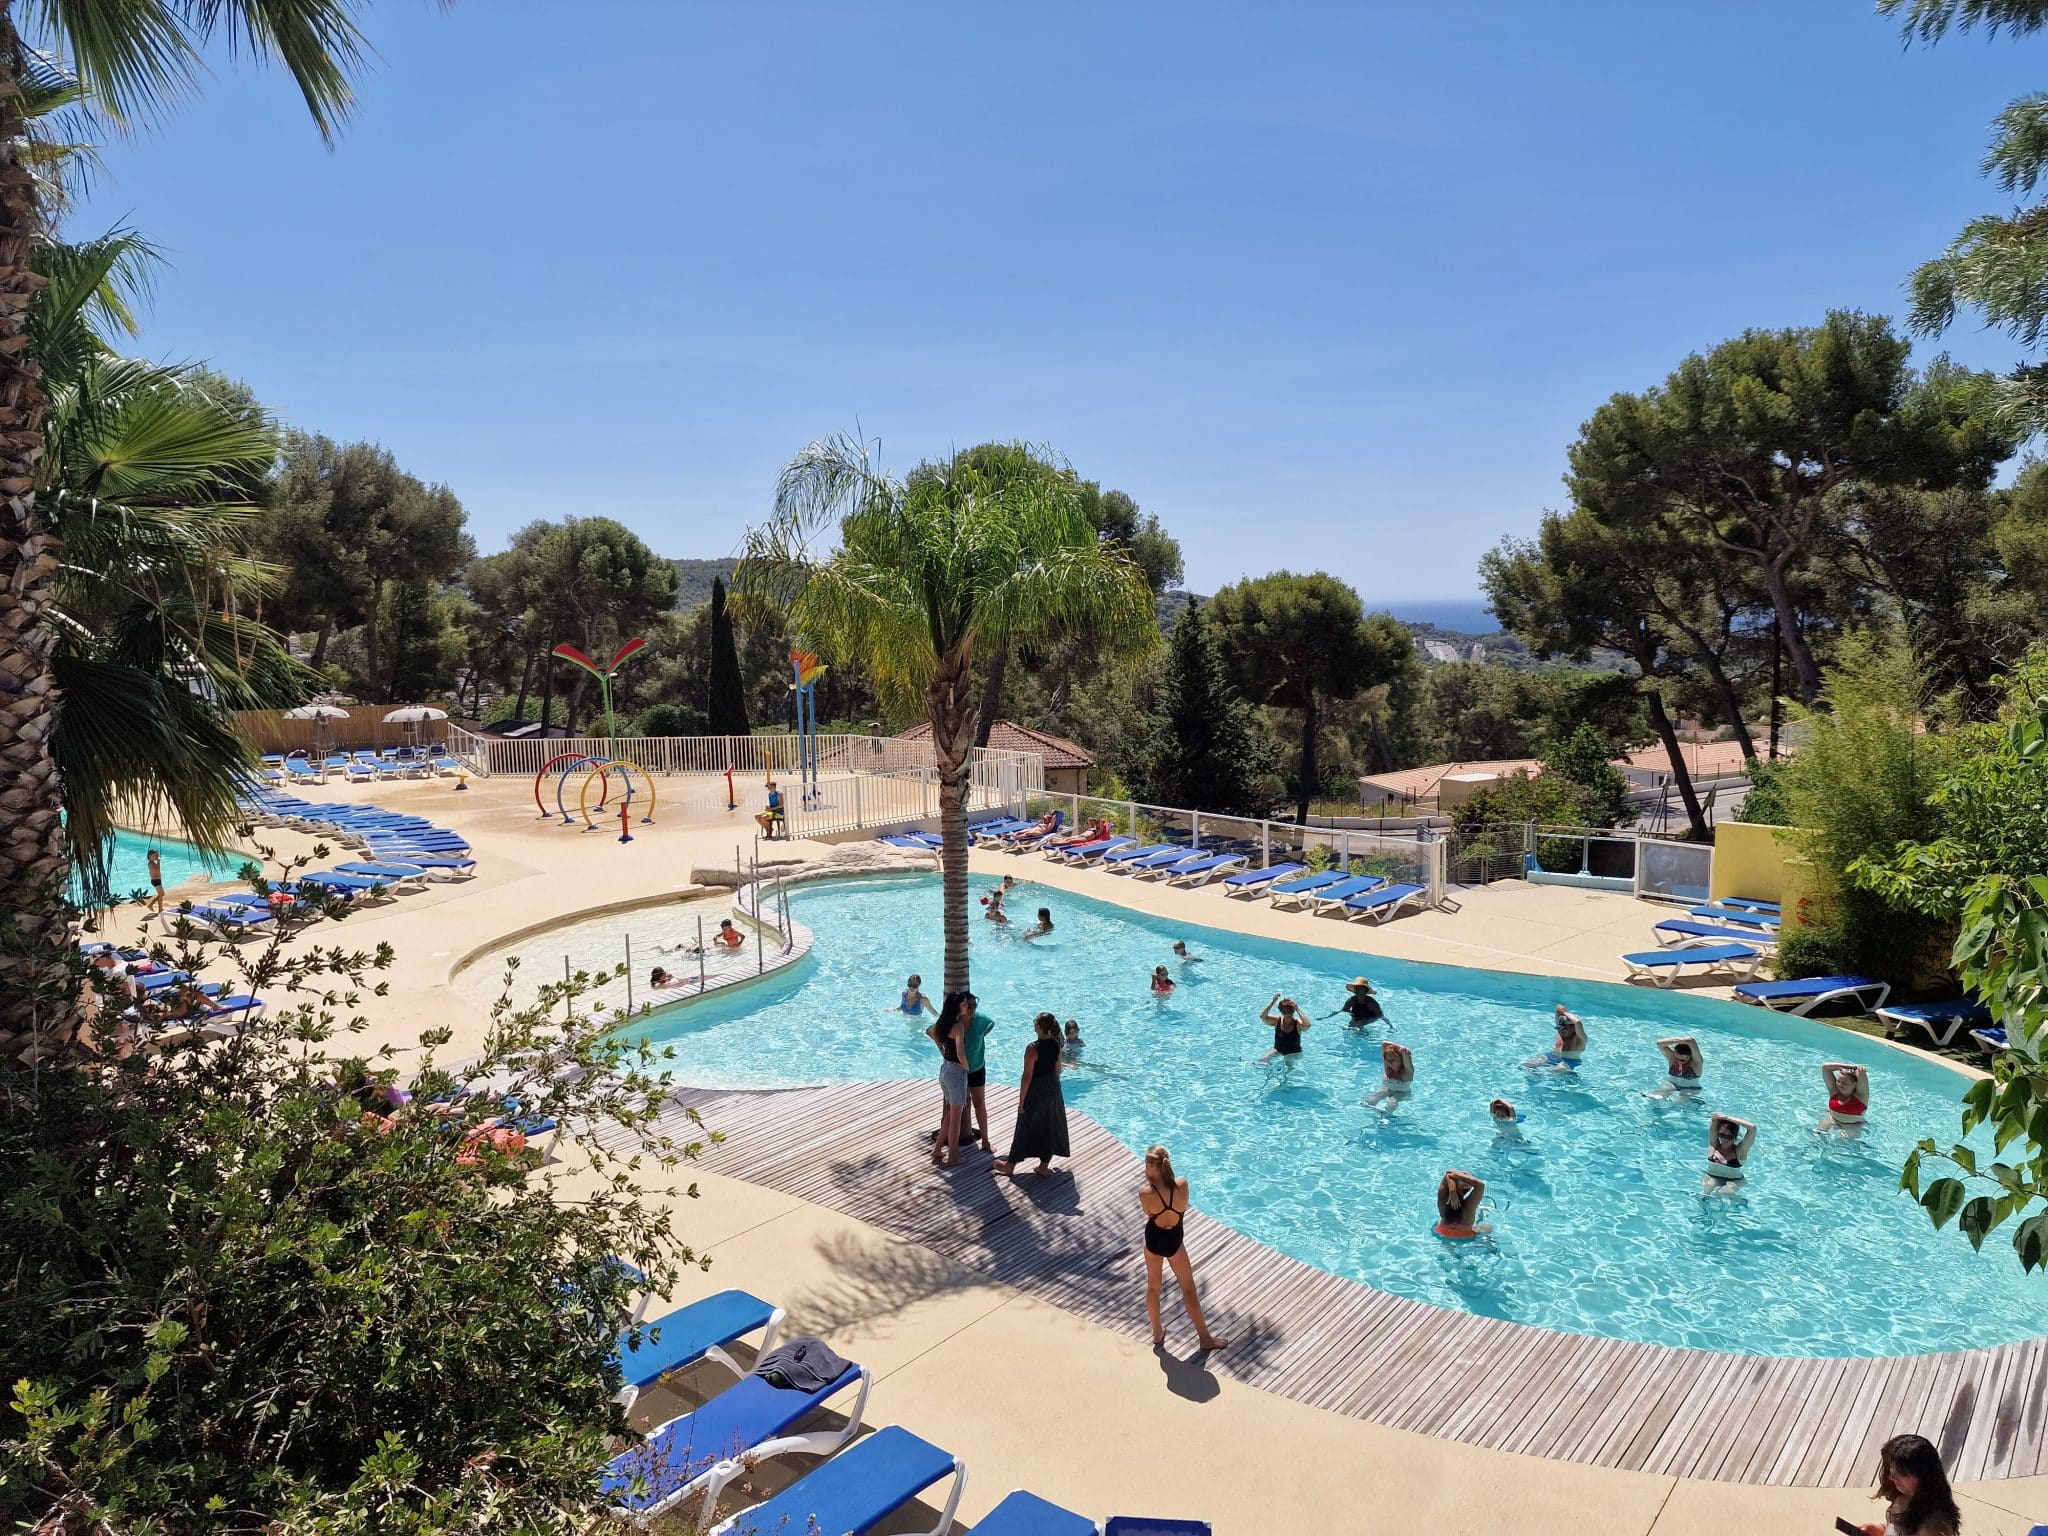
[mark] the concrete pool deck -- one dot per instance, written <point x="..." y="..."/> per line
<point x="1028" y="1393"/>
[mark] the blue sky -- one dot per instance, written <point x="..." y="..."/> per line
<point x="1322" y="285"/>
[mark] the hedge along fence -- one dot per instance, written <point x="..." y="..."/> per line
<point x="269" y="731"/>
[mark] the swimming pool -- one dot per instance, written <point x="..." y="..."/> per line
<point x="1601" y="1224"/>
<point x="128" y="863"/>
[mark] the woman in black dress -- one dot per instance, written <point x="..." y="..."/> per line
<point x="1041" y="1112"/>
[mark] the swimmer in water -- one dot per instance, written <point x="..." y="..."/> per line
<point x="1162" y="984"/>
<point x="1044" y="925"/>
<point x="992" y="903"/>
<point x="1397" y="1080"/>
<point x="1848" y="1088"/>
<point x="914" y="1004"/>
<point x="1728" y="1144"/>
<point x="1457" y="1206"/>
<point x="1073" y="1045"/>
<point x="1360" y="1007"/>
<point x="728" y="935"/>
<point x="1180" y="953"/>
<point x="1287" y="1025"/>
<point x="1568" y="1050"/>
<point x="1683" y="1067"/>
<point x="1507" y="1121"/>
<point x="660" y="978"/>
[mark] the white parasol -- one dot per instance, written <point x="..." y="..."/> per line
<point x="319" y="714"/>
<point x="412" y="716"/>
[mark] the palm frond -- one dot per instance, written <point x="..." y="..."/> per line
<point x="135" y="744"/>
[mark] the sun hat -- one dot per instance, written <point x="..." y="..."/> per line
<point x="1358" y="985"/>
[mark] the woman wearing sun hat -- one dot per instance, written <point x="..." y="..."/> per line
<point x="1362" y="1007"/>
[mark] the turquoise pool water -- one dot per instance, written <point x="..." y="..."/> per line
<point x="129" y="863"/>
<point x="1601" y="1224"/>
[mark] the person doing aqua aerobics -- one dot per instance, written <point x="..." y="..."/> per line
<point x="1507" y="1121"/>
<point x="1457" y="1207"/>
<point x="1684" y="1067"/>
<point x="1162" y="984"/>
<point x="1359" y="1007"/>
<point x="1287" y="1025"/>
<point x="1728" y="1144"/>
<point x="1848" y="1088"/>
<point x="1568" y="1050"/>
<point x="1397" y="1079"/>
<point x="914" y="1004"/>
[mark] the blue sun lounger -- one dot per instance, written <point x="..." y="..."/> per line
<point x="1330" y="897"/>
<point x="699" y="1453"/>
<point x="365" y="886"/>
<point x="1679" y="931"/>
<point x="1748" y="904"/>
<point x="1201" y="871"/>
<point x="221" y="916"/>
<point x="1137" y="851"/>
<point x="1803" y="996"/>
<point x="699" y="1331"/>
<point x="1991" y="1041"/>
<point x="1740" y="917"/>
<point x="1252" y="883"/>
<point x="1664" y="965"/>
<point x="857" y="1489"/>
<point x="1159" y="857"/>
<point x="992" y="830"/>
<point x="1389" y="901"/>
<point x="1939" y="1022"/>
<point x="1297" y="892"/>
<point x="1091" y="853"/>
<point x="1026" y="1514"/>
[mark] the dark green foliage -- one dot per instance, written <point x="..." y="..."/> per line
<point x="670" y="720"/>
<point x="694" y="579"/>
<point x="1765" y="805"/>
<point x="726" y="706"/>
<point x="1210" y="754"/>
<point x="1298" y="642"/>
<point x="243" y="1294"/>
<point x="1583" y="760"/>
<point x="1862" y="784"/>
<point x="421" y="646"/>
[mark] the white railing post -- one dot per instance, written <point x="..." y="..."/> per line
<point x="1344" y="845"/>
<point x="1265" y="844"/>
<point x="858" y="819"/>
<point x="1195" y="829"/>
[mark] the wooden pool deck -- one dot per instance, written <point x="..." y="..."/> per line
<point x="1071" y="1238"/>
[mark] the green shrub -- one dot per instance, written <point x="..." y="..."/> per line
<point x="1764" y="805"/>
<point x="670" y="720"/>
<point x="234" y="1302"/>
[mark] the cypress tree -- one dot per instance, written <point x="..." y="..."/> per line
<point x="1210" y="755"/>
<point x="727" y="699"/>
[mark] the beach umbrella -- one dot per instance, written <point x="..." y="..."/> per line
<point x="319" y="714"/>
<point x="411" y="716"/>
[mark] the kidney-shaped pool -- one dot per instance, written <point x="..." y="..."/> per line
<point x="1601" y="1225"/>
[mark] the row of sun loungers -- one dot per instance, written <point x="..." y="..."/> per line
<point x="698" y="1454"/>
<point x="360" y="767"/>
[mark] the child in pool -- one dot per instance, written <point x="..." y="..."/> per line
<point x="1073" y="1045"/>
<point x="1162" y="984"/>
<point x="1507" y="1121"/>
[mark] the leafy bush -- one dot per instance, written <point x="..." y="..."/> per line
<point x="1765" y="805"/>
<point x="1862" y="785"/>
<point x="1584" y="761"/>
<point x="670" y="720"/>
<point x="245" y="1293"/>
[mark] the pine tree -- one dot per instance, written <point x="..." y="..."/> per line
<point x="727" y="701"/>
<point x="1210" y="754"/>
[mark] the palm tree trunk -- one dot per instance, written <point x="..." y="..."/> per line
<point x="950" y="700"/>
<point x="992" y="696"/>
<point x="1680" y="775"/>
<point x="34" y="865"/>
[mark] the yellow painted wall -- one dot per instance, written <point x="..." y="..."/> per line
<point x="1758" y="863"/>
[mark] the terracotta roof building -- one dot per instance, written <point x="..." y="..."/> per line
<point x="1066" y="762"/>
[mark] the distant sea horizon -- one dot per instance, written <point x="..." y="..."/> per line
<point x="1468" y="616"/>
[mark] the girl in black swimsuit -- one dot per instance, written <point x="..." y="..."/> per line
<point x="1164" y="1200"/>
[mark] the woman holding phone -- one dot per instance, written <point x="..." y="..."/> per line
<point x="1914" y="1486"/>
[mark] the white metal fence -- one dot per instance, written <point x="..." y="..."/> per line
<point x="1400" y="857"/>
<point x="863" y="781"/>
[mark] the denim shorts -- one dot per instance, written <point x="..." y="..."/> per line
<point x="953" y="1083"/>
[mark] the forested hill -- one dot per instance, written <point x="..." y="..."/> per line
<point x="694" y="578"/>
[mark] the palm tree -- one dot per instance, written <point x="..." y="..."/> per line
<point x="130" y="60"/>
<point x="971" y="554"/>
<point x="146" y="480"/>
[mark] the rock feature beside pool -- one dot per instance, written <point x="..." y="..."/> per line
<point x="868" y="858"/>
